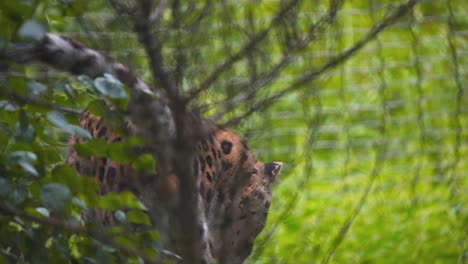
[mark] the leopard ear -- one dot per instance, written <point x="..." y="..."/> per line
<point x="272" y="169"/>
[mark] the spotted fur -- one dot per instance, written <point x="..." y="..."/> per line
<point x="235" y="187"/>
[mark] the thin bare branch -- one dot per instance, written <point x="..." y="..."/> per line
<point x="251" y="44"/>
<point x="156" y="14"/>
<point x="342" y="57"/>
<point x="195" y="22"/>
<point x="379" y="161"/>
<point x="122" y="7"/>
<point x="250" y="88"/>
<point x="313" y="127"/>
<point x="180" y="57"/>
<point x="362" y="201"/>
<point x="153" y="51"/>
<point x="186" y="219"/>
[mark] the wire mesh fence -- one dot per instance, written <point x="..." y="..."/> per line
<point x="384" y="178"/>
<point x="375" y="149"/>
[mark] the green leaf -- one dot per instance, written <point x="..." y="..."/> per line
<point x="95" y="147"/>
<point x="145" y="163"/>
<point x="79" y="203"/>
<point x="43" y="211"/>
<point x="65" y="174"/>
<point x="97" y="107"/>
<point x="138" y="217"/>
<point x="35" y="88"/>
<point x="78" y="131"/>
<point x="5" y="187"/>
<point x="7" y="106"/>
<point x="55" y="196"/>
<point x="20" y="85"/>
<point x="59" y="120"/>
<point x="120" y="216"/>
<point x="88" y="82"/>
<point x="49" y="154"/>
<point x="128" y="241"/>
<point x="134" y="141"/>
<point x="110" y="201"/>
<point x="109" y="86"/>
<point x="24" y="133"/>
<point x="153" y="234"/>
<point x="32" y="30"/>
<point x="19" y="194"/>
<point x="25" y="160"/>
<point x="121" y="152"/>
<point x="88" y="190"/>
<point x="67" y="89"/>
<point x="116" y="201"/>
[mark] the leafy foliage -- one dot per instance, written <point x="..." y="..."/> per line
<point x="374" y="150"/>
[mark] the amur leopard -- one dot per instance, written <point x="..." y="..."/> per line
<point x="223" y="161"/>
<point x="234" y="186"/>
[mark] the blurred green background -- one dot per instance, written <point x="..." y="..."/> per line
<point x="374" y="150"/>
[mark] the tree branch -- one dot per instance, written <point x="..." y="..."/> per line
<point x="195" y="22"/>
<point x="251" y="44"/>
<point x="187" y="225"/>
<point x="149" y="112"/>
<point x="156" y="14"/>
<point x="65" y="54"/>
<point x="179" y="52"/>
<point x="251" y="87"/>
<point x="153" y="51"/>
<point x="313" y="127"/>
<point x="342" y="57"/>
<point x="362" y="201"/>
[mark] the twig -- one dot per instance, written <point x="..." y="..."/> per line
<point x="454" y="180"/>
<point x="194" y="23"/>
<point x="265" y="78"/>
<point x="187" y="226"/>
<point x="121" y="8"/>
<point x="153" y="50"/>
<point x="251" y="88"/>
<point x="313" y="126"/>
<point x="179" y="52"/>
<point x="378" y="162"/>
<point x="251" y="44"/>
<point x="158" y="11"/>
<point x="362" y="201"/>
<point x="265" y="103"/>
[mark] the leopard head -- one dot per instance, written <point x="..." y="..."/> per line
<point x="238" y="198"/>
